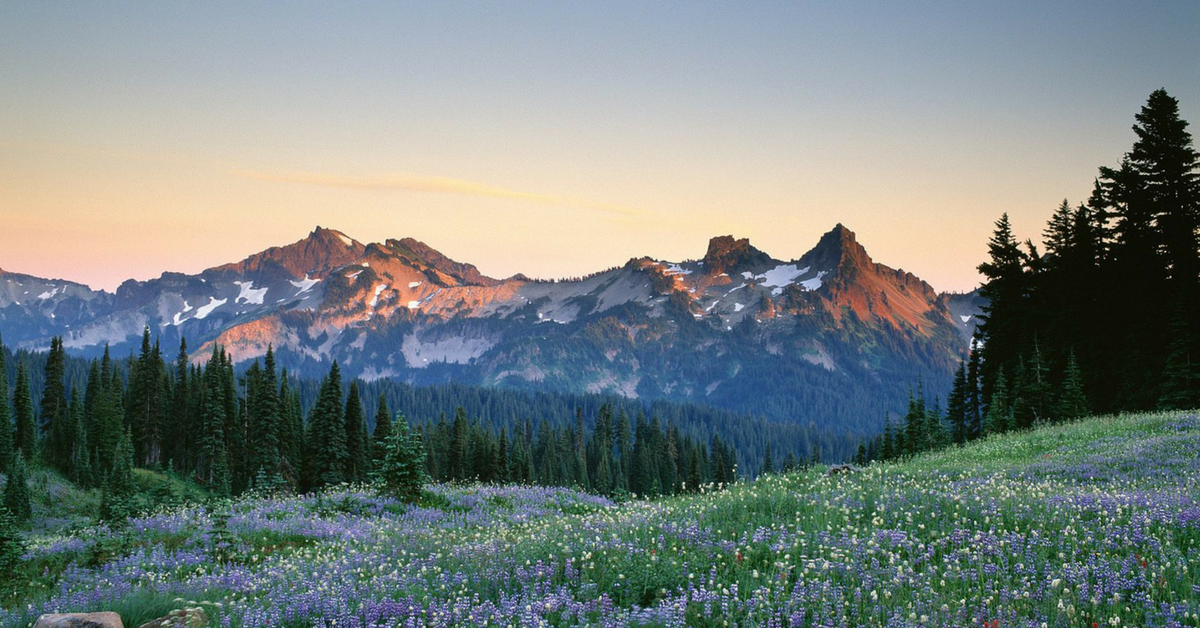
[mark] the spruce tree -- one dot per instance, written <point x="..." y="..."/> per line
<point x="26" y="429"/>
<point x="12" y="547"/>
<point x="119" y="490"/>
<point x="956" y="406"/>
<point x="7" y="437"/>
<point x="54" y="428"/>
<point x="998" y="411"/>
<point x="383" y="430"/>
<point x="358" y="454"/>
<point x="403" y="468"/>
<point x="1072" y="404"/>
<point x="1004" y="318"/>
<point x="327" y="456"/>
<point x="16" y="492"/>
<point x="80" y="463"/>
<point x="768" y="465"/>
<point x="887" y="447"/>
<point x="213" y="459"/>
<point x="974" y="396"/>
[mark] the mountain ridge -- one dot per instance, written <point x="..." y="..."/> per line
<point x="772" y="328"/>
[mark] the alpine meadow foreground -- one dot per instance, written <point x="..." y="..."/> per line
<point x="1094" y="523"/>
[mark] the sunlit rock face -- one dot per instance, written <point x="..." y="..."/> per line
<point x="828" y="334"/>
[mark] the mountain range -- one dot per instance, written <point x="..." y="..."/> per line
<point x="830" y="337"/>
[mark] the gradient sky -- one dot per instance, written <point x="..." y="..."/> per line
<point x="560" y="138"/>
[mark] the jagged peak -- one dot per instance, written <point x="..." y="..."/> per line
<point x="422" y="254"/>
<point x="315" y="255"/>
<point x="838" y="249"/>
<point x="726" y="253"/>
<point x="332" y="236"/>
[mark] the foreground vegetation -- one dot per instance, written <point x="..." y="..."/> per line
<point x="1095" y="523"/>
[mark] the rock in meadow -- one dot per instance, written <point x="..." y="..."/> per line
<point x="106" y="619"/>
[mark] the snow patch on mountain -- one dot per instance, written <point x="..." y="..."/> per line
<point x="345" y="239"/>
<point x="47" y="294"/>
<point x="414" y="284"/>
<point x="378" y="290"/>
<point x="306" y="284"/>
<point x="815" y="282"/>
<point x="782" y="275"/>
<point x="205" y="310"/>
<point x="249" y="294"/>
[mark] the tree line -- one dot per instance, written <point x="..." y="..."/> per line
<point x="1110" y="307"/>
<point x="232" y="431"/>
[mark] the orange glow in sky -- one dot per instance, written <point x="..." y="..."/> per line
<point x="556" y="140"/>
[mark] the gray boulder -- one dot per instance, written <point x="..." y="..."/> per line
<point x="106" y="619"/>
<point x="841" y="468"/>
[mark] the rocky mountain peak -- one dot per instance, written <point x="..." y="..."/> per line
<point x="839" y="249"/>
<point x="725" y="254"/>
<point x="422" y="254"/>
<point x="316" y="255"/>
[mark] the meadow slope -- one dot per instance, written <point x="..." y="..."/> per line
<point x="1095" y="523"/>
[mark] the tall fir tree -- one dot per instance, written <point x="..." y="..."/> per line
<point x="26" y="428"/>
<point x="998" y="410"/>
<point x="956" y="406"/>
<point x="327" y="456"/>
<point x="55" y="415"/>
<point x="7" y="436"/>
<point x="403" y="468"/>
<point x="16" y="492"/>
<point x="383" y="429"/>
<point x="1072" y="403"/>
<point x="358" y="453"/>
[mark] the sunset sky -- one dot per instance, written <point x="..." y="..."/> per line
<point x="558" y="138"/>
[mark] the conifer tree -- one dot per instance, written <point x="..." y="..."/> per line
<point x="1181" y="372"/>
<point x="358" y="454"/>
<point x="16" y="492"/>
<point x="213" y="463"/>
<point x="291" y="439"/>
<point x="956" y="406"/>
<point x="181" y="429"/>
<point x="887" y="447"/>
<point x="327" y="456"/>
<point x="1003" y="321"/>
<point x="998" y="411"/>
<point x="502" y="458"/>
<point x="1072" y="404"/>
<point x="80" y="463"/>
<point x="144" y="408"/>
<point x="403" y="468"/>
<point x="974" y="395"/>
<point x="624" y="443"/>
<point x="7" y="436"/>
<point x="460" y="447"/>
<point x="12" y="547"/>
<point x="118" y="490"/>
<point x="860" y="458"/>
<point x="383" y="430"/>
<point x="26" y="429"/>
<point x="768" y="465"/>
<point x="54" y="412"/>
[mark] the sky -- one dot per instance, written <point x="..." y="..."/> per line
<point x="556" y="138"/>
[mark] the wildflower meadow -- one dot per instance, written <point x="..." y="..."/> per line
<point x="1093" y="524"/>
